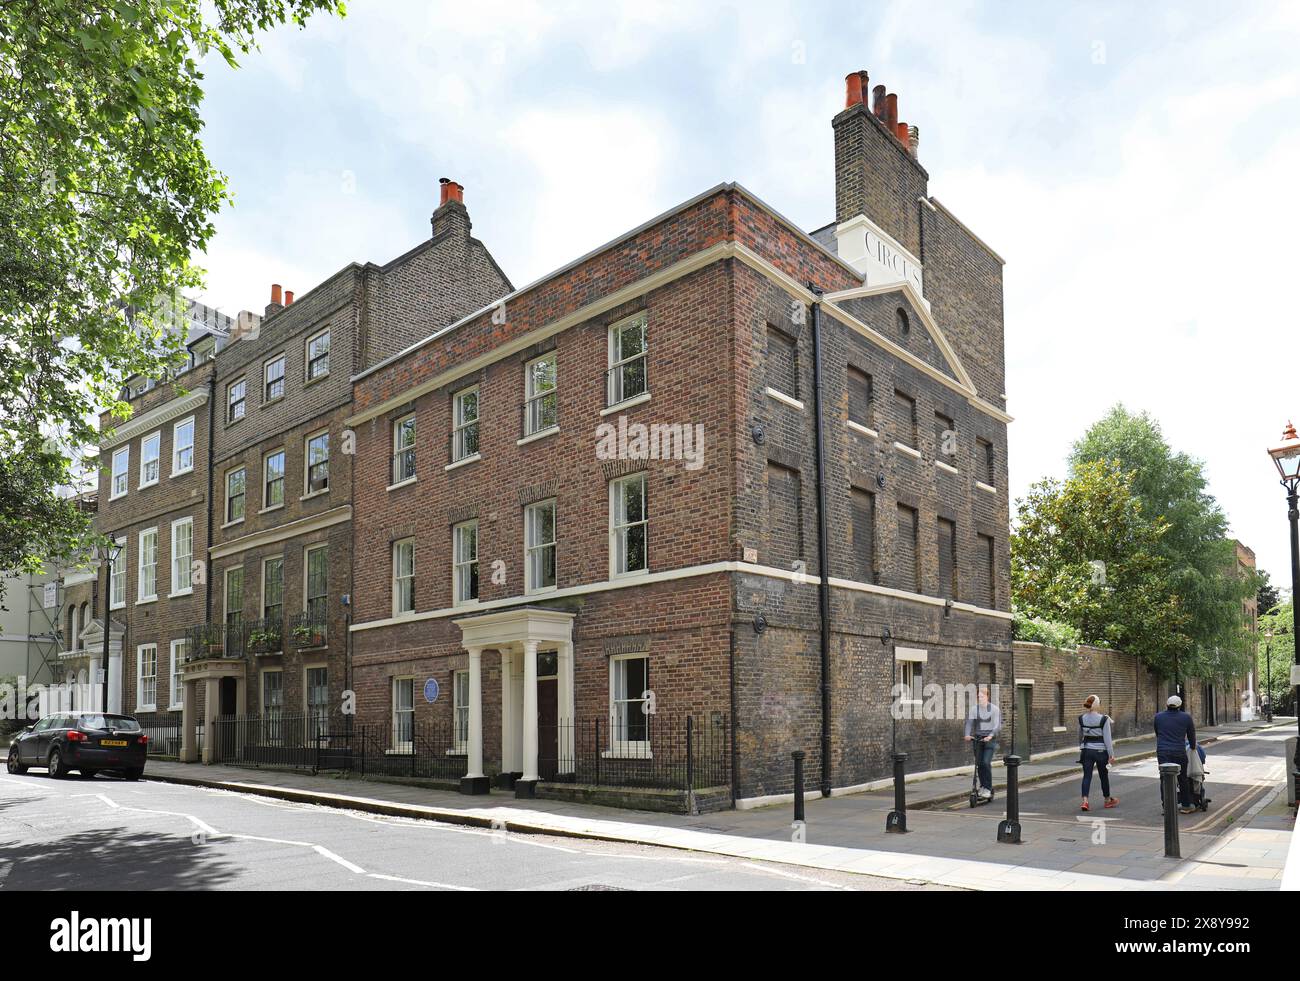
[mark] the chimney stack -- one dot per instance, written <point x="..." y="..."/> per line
<point x="878" y="101"/>
<point x="288" y="297"/>
<point x="891" y="112"/>
<point x="275" y="293"/>
<point x="451" y="191"/>
<point x="913" y="139"/>
<point x="900" y="131"/>
<point x="277" y="302"/>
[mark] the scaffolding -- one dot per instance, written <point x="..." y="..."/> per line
<point x="45" y="640"/>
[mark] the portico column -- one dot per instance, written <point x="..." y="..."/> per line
<point x="211" y="706"/>
<point x="189" y="752"/>
<point x="115" y="677"/>
<point x="527" y="785"/>
<point x="474" y="782"/>
<point x="565" y="697"/>
<point x="509" y="720"/>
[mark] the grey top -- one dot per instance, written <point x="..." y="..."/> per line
<point x="1096" y="732"/>
<point x="986" y="720"/>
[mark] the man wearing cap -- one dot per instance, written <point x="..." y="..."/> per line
<point x="1175" y="735"/>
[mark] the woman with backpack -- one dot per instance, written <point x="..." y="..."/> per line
<point x="1096" y="749"/>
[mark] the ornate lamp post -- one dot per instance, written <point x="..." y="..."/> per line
<point x="1286" y="455"/>
<point x="1268" y="673"/>
<point x="108" y="552"/>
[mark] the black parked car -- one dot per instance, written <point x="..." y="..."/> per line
<point x="83" y="741"/>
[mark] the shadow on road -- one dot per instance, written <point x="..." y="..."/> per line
<point x="113" y="858"/>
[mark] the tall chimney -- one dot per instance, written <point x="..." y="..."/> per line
<point x="276" y="304"/>
<point x="900" y="131"/>
<point x="275" y="293"/>
<point x="878" y="101"/>
<point x="913" y="139"/>
<point x="288" y="297"/>
<point x="891" y="112"/>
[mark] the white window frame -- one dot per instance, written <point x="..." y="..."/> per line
<point x="141" y="595"/>
<point x="140" y="677"/>
<point x="909" y="669"/>
<point x="145" y="460"/>
<point x="120" y="474"/>
<point x="175" y="679"/>
<point x="266" y="377"/>
<point x="462" y="425"/>
<point x="117" y="577"/>
<point x="534" y="548"/>
<point x="261" y="600"/>
<point x="615" y="359"/>
<point x="399" y="448"/>
<point x="183" y="573"/>
<point x="178" y="446"/>
<point x="307" y="358"/>
<point x="266" y="483"/>
<point x="244" y="510"/>
<point x="397" y="578"/>
<point x="458" y="564"/>
<point x="306" y="464"/>
<point x="619" y="531"/>
<point x="243" y="401"/>
<point x="531" y="393"/>
<point x="400" y="746"/>
<point x="306" y="577"/>
<point x="627" y="747"/>
<point x="460" y="711"/>
<point x="225" y="593"/>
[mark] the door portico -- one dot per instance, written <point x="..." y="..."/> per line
<point x="518" y="636"/>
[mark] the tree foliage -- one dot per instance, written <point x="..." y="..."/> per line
<point x="1084" y="554"/>
<point x="1276" y="655"/>
<point x="105" y="195"/>
<point x="1173" y="489"/>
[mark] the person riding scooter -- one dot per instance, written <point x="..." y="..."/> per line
<point x="983" y="723"/>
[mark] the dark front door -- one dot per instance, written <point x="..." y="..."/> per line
<point x="548" y="732"/>
<point x="1024" y="721"/>
<point x="226" y="709"/>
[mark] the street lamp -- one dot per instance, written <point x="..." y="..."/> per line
<point x="1268" y="672"/>
<point x="1286" y="455"/>
<point x="109" y="552"/>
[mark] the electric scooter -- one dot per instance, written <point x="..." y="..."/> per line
<point x="975" y="799"/>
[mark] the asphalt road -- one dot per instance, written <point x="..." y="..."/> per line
<point x="1239" y="770"/>
<point x="104" y="833"/>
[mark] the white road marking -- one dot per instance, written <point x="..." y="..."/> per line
<point x="420" y="882"/>
<point x="197" y="822"/>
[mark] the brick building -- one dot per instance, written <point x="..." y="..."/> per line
<point x="230" y="488"/>
<point x="594" y="508"/>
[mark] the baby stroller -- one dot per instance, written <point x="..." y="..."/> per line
<point x="1196" y="779"/>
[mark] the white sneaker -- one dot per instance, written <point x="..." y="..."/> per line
<point x="985" y="793"/>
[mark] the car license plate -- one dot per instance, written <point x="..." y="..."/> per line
<point x="112" y="742"/>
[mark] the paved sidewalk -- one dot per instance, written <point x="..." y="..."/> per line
<point x="844" y="833"/>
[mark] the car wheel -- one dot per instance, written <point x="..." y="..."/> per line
<point x="134" y="774"/>
<point x="12" y="764"/>
<point x="55" y="765"/>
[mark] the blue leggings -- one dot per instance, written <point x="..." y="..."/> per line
<point x="1099" y="759"/>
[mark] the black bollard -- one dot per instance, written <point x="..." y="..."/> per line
<point x="896" y="823"/>
<point x="1009" y="828"/>
<point x="797" y="756"/>
<point x="1169" y="795"/>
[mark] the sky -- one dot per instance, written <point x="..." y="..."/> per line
<point x="1135" y="165"/>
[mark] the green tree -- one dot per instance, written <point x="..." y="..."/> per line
<point x="1267" y="596"/>
<point x="105" y="195"/>
<point x="1084" y="554"/>
<point x="1172" y="487"/>
<point x="1276" y="655"/>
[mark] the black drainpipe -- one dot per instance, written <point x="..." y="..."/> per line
<point x="735" y="722"/>
<point x="823" y="558"/>
<point x="212" y="439"/>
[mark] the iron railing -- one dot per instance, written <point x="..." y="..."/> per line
<point x="625" y="381"/>
<point x="263" y="637"/>
<point x="463" y="441"/>
<point x="664" y="752"/>
<point x="209" y="640"/>
<point x="541" y="412"/>
<point x="308" y="630"/>
<point x="164" y="732"/>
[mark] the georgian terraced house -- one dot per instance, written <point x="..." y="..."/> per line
<point x="720" y="472"/>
